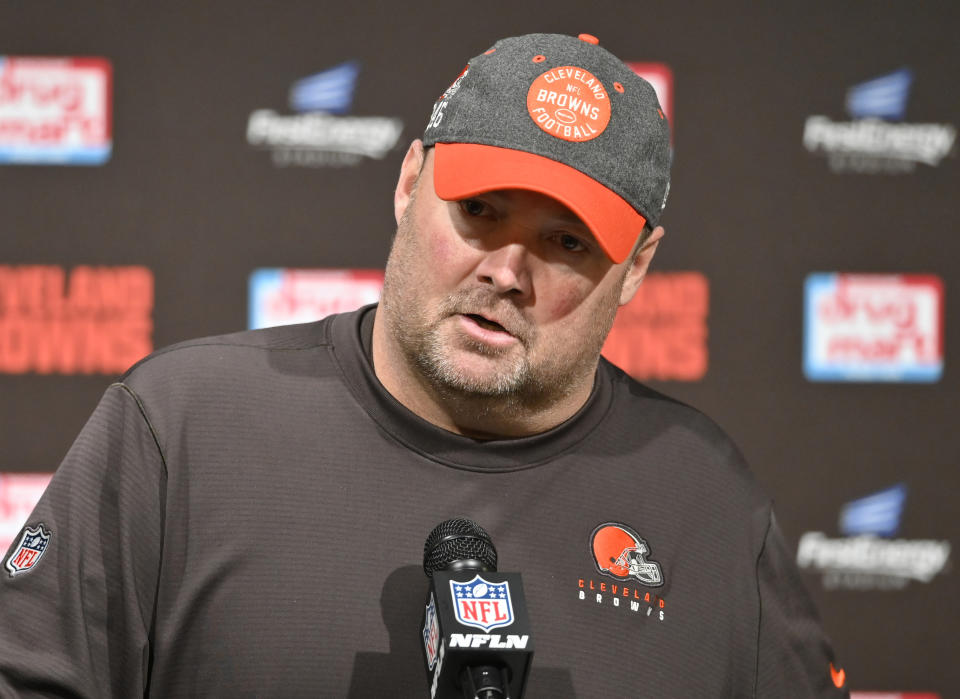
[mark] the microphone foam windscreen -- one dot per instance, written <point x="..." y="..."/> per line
<point x="458" y="539"/>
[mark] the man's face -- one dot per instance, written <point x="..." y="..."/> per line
<point x="506" y="294"/>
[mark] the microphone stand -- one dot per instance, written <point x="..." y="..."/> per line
<point x="485" y="682"/>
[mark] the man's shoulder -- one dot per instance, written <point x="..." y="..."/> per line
<point x="248" y="345"/>
<point x="245" y="361"/>
<point x="632" y="395"/>
<point x="646" y="414"/>
<point x="685" y="455"/>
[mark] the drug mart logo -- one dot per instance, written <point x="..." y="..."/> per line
<point x="55" y="111"/>
<point x="320" y="134"/>
<point x="873" y="328"/>
<point x="867" y="557"/>
<point x="285" y="296"/>
<point x="876" y="139"/>
<point x="569" y="103"/>
<point x="482" y="604"/>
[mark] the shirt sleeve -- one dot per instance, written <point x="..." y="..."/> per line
<point x="794" y="657"/>
<point x="75" y="621"/>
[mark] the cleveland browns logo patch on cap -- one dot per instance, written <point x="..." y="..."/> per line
<point x="569" y="103"/>
<point x="620" y="553"/>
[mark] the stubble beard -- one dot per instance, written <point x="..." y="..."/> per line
<point x="507" y="373"/>
<point x="509" y="383"/>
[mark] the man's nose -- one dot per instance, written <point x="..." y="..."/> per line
<point x="506" y="269"/>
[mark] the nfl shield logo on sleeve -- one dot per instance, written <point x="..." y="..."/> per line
<point x="29" y="550"/>
<point x="485" y="605"/>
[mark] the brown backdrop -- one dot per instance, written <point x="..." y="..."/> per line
<point x="192" y="208"/>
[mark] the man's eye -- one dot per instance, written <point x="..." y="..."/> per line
<point x="571" y="243"/>
<point x="473" y="207"/>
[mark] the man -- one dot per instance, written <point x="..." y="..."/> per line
<point x="244" y="515"/>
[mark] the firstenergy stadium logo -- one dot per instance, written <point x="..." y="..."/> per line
<point x="320" y="134"/>
<point x="876" y="139"/>
<point x="868" y="556"/>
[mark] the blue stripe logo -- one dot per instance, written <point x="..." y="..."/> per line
<point x="881" y="98"/>
<point x="877" y="514"/>
<point x="330" y="91"/>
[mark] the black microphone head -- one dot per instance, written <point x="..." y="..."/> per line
<point x="458" y="544"/>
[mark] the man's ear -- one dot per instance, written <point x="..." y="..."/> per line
<point x="641" y="262"/>
<point x="409" y="171"/>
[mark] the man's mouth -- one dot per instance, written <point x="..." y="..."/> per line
<point x="486" y="323"/>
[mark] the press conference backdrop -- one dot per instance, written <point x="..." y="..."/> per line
<point x="187" y="169"/>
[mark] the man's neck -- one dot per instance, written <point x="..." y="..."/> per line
<point x="477" y="416"/>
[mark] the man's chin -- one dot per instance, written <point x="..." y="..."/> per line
<point x="479" y="374"/>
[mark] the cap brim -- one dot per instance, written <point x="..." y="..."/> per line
<point x="462" y="170"/>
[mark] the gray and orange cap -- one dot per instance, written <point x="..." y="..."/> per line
<point x="561" y="116"/>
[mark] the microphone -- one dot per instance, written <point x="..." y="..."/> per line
<point x="468" y="594"/>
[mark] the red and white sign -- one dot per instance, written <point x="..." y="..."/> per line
<point x="287" y="296"/>
<point x="55" y="111"/>
<point x="873" y="327"/>
<point x="90" y="320"/>
<point x="662" y="333"/>
<point x="660" y="76"/>
<point x="19" y="493"/>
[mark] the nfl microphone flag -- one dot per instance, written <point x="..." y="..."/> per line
<point x="475" y="620"/>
